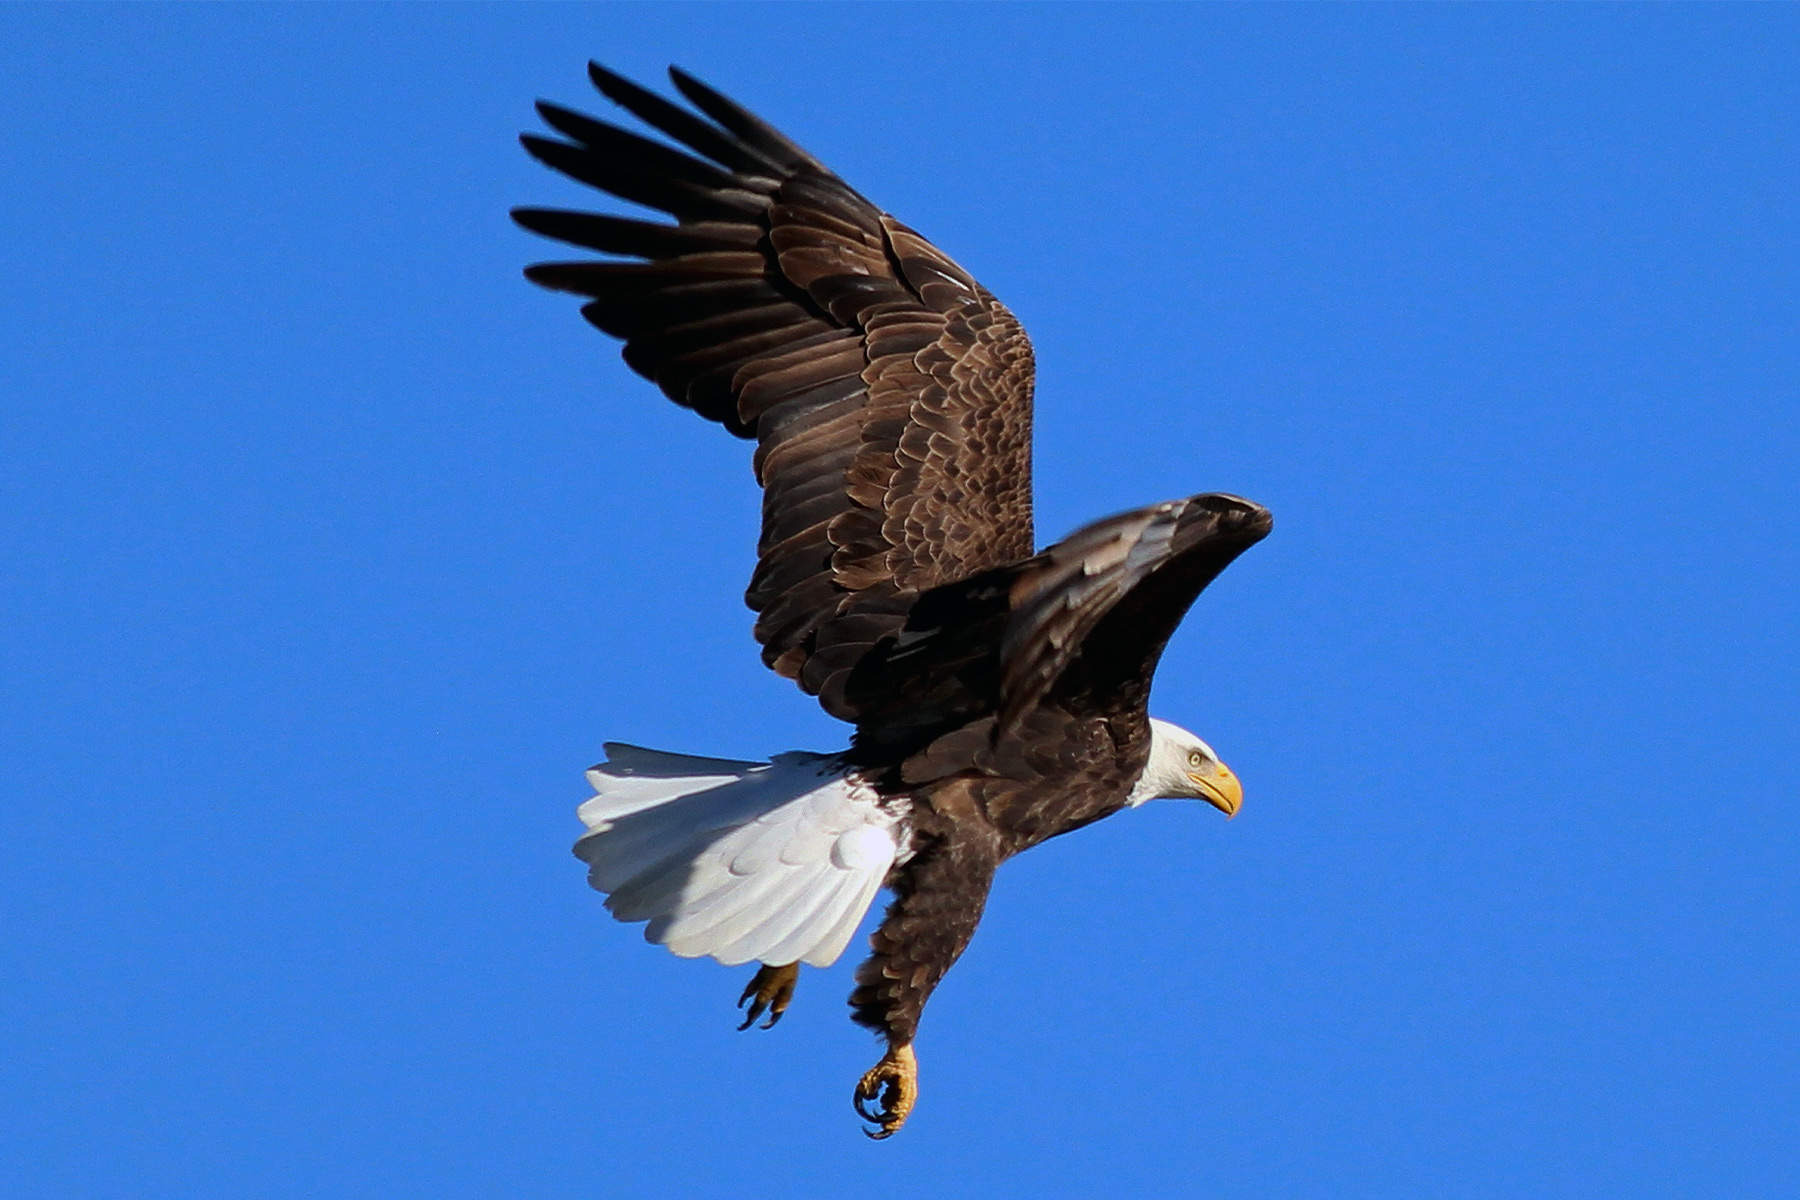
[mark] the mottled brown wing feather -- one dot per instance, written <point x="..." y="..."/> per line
<point x="888" y="393"/>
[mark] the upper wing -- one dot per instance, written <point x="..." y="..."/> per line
<point x="1092" y="614"/>
<point x="889" y="393"/>
<point x="1082" y="623"/>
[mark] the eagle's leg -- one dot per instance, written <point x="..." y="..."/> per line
<point x="938" y="897"/>
<point x="886" y="1093"/>
<point x="773" y="989"/>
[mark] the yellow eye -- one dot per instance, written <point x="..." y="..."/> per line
<point x="1194" y="758"/>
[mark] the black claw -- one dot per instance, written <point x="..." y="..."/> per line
<point x="771" y="990"/>
<point x="756" y="1008"/>
<point x="873" y="1106"/>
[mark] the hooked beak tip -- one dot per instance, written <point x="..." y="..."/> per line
<point x="1228" y="798"/>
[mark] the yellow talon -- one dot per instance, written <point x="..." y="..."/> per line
<point x="887" y="1092"/>
<point x="771" y="988"/>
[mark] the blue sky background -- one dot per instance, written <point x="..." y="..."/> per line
<point x="332" y="550"/>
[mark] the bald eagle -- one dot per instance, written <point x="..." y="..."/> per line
<point x="998" y="692"/>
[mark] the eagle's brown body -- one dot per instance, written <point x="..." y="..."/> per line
<point x="984" y="808"/>
<point x="998" y="693"/>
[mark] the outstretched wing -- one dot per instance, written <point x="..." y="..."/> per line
<point x="889" y="394"/>
<point x="1082" y="624"/>
<point x="1092" y="614"/>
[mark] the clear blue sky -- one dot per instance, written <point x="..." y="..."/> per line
<point x="332" y="550"/>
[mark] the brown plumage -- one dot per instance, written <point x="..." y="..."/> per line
<point x="888" y="393"/>
<point x="999" y="696"/>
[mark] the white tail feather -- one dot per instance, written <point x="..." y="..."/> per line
<point x="742" y="861"/>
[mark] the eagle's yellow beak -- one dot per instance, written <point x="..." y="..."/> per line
<point x="1220" y="788"/>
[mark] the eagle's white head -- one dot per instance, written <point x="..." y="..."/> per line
<point x="1182" y="767"/>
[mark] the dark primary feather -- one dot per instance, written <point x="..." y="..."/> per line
<point x="889" y="394"/>
<point x="692" y="132"/>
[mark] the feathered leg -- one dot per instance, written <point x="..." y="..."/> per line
<point x="772" y="988"/>
<point x="938" y="898"/>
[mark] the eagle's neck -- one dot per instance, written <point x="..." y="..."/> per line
<point x="1165" y="772"/>
<point x="1158" y="767"/>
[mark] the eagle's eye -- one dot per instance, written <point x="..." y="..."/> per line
<point x="1194" y="758"/>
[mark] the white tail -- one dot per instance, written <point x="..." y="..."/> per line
<point x="742" y="861"/>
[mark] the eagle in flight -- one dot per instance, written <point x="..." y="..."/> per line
<point x="998" y="692"/>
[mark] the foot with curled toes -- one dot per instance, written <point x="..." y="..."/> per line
<point x="888" y="1090"/>
<point x="772" y="989"/>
